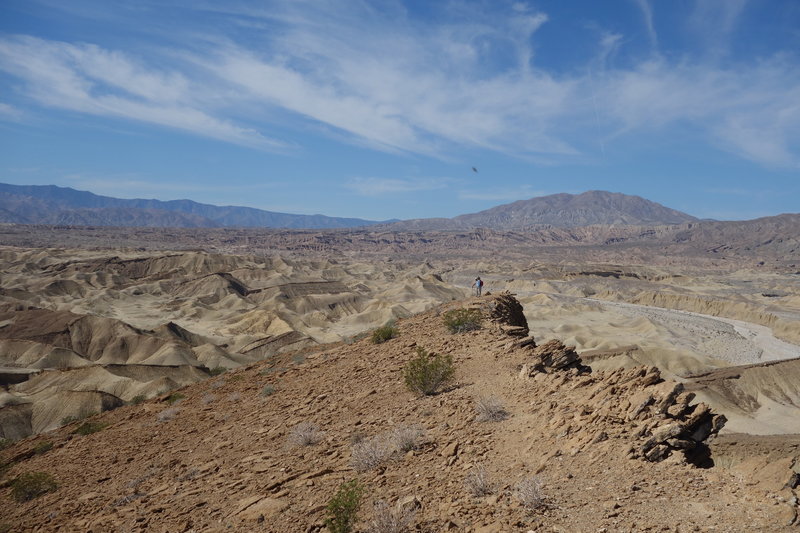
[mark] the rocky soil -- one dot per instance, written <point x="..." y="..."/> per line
<point x="265" y="446"/>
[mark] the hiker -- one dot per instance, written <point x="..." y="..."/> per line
<point x="478" y="286"/>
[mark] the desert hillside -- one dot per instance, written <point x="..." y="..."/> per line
<point x="526" y="438"/>
<point x="86" y="331"/>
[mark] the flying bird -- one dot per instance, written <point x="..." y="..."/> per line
<point x="475" y="170"/>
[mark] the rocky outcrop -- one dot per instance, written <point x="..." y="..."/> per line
<point x="506" y="311"/>
<point x="552" y="356"/>
<point x="656" y="417"/>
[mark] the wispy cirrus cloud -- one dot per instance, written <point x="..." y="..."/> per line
<point x="374" y="75"/>
<point x="88" y="79"/>
<point x="501" y="194"/>
<point x="382" y="186"/>
<point x="9" y="112"/>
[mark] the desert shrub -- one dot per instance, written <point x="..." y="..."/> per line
<point x="5" y="527"/>
<point x="5" y="443"/>
<point x="70" y="419"/>
<point x="234" y="397"/>
<point x="342" y="509"/>
<point x="5" y="466"/>
<point x="87" y="428"/>
<point x="217" y="370"/>
<point x="207" y="398"/>
<point x="387" y="519"/>
<point x="174" y="398"/>
<point x="529" y="493"/>
<point x="426" y="373"/>
<point x="490" y="409"/>
<point x="406" y="438"/>
<point x="32" y="485"/>
<point x="139" y="398"/>
<point x="167" y="414"/>
<point x="384" y="333"/>
<point x="305" y="434"/>
<point x="461" y="320"/>
<point x="43" y="447"/>
<point x="370" y="453"/>
<point x="477" y="482"/>
<point x="299" y="359"/>
<point x="268" y="390"/>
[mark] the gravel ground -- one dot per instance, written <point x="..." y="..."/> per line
<point x="735" y="341"/>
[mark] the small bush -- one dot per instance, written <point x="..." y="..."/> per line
<point x="426" y="373"/>
<point x="268" y="390"/>
<point x="32" y="485"/>
<point x="462" y="320"/>
<point x="490" y="409"/>
<point x="207" y="398"/>
<point x="43" y="447"/>
<point x="370" y="453"/>
<point x="477" y="482"/>
<point x="139" y="398"/>
<point x="167" y="414"/>
<point x="386" y="519"/>
<point x="384" y="333"/>
<point x="342" y="509"/>
<point x="5" y="443"/>
<point x="305" y="434"/>
<point x="175" y="397"/>
<point x="217" y="370"/>
<point x="87" y="428"/>
<point x="70" y="419"/>
<point x="529" y="493"/>
<point x="406" y="438"/>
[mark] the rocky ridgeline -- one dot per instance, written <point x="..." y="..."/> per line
<point x="636" y="404"/>
<point x="653" y="414"/>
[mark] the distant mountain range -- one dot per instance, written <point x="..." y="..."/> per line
<point x="50" y="204"/>
<point x="561" y="210"/>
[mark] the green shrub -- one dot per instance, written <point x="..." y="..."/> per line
<point x="384" y="333"/>
<point x="87" y="428"/>
<point x="342" y="509"/>
<point x="268" y="390"/>
<point x="426" y="373"/>
<point x="31" y="485"/>
<point x="218" y="370"/>
<point x="5" y="443"/>
<point x="43" y="447"/>
<point x="139" y="398"/>
<point x="175" y="397"/>
<point x="462" y="320"/>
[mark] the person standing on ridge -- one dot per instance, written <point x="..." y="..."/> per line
<point x="478" y="286"/>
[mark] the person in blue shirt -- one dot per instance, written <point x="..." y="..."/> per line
<point x="478" y="285"/>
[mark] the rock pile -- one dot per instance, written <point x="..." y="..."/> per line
<point x="550" y="357"/>
<point x="655" y="416"/>
<point x="506" y="310"/>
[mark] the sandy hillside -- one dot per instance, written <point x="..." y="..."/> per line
<point x="83" y="331"/>
<point x="613" y="450"/>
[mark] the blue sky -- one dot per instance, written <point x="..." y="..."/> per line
<point x="380" y="109"/>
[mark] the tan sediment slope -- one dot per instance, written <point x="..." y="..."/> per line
<point x="176" y="314"/>
<point x="223" y="459"/>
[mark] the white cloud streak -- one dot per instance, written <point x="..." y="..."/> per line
<point x="88" y="79"/>
<point x="384" y="186"/>
<point x="647" y="13"/>
<point x="374" y="76"/>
